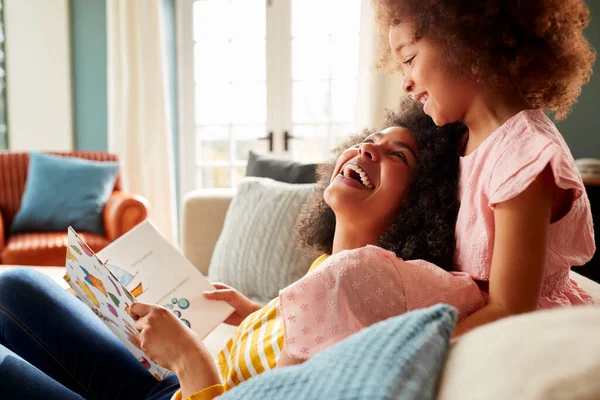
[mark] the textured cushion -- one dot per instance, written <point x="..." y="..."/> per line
<point x="399" y="358"/>
<point x="257" y="250"/>
<point x="546" y="355"/>
<point x="62" y="192"/>
<point x="280" y="169"/>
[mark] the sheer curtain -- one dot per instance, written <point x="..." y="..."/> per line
<point x="139" y="117"/>
<point x="377" y="90"/>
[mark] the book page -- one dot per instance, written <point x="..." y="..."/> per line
<point x="96" y="286"/>
<point x="156" y="272"/>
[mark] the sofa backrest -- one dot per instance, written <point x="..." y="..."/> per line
<point x="13" y="175"/>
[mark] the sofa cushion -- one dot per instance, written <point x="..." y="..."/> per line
<point x="45" y="248"/>
<point x="280" y="169"/>
<point x="64" y="191"/>
<point x="544" y="355"/>
<point x="399" y="358"/>
<point x="257" y="250"/>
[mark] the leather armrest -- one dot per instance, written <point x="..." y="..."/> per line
<point x="2" y="238"/>
<point x="122" y="212"/>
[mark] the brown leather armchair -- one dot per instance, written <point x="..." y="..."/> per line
<point x="122" y="212"/>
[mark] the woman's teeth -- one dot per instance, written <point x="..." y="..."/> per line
<point x="364" y="178"/>
<point x="424" y="98"/>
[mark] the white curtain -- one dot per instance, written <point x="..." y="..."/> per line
<point x="139" y="120"/>
<point x="377" y="90"/>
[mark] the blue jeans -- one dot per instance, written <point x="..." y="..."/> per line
<point x="52" y="346"/>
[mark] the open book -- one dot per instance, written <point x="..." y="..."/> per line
<point x="141" y="265"/>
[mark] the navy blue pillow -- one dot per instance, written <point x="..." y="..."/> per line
<point x="400" y="358"/>
<point x="65" y="191"/>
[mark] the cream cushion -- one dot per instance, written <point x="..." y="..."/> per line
<point x="546" y="355"/>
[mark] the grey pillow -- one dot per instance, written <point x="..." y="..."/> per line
<point x="280" y="169"/>
<point x="257" y="250"/>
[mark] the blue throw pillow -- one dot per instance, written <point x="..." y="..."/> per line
<point x="65" y="191"/>
<point x="399" y="358"/>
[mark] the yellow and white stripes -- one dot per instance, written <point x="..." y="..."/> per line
<point x="256" y="345"/>
<point x="254" y="348"/>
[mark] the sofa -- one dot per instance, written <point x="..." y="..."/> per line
<point x="122" y="212"/>
<point x="542" y="355"/>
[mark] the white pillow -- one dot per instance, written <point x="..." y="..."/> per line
<point x="546" y="355"/>
<point x="257" y="251"/>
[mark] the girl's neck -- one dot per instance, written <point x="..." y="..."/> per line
<point x="490" y="110"/>
<point x="349" y="237"/>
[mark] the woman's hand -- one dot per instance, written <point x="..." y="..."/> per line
<point x="163" y="337"/>
<point x="243" y="306"/>
<point x="170" y="343"/>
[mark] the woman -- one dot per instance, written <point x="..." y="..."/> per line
<point x="53" y="347"/>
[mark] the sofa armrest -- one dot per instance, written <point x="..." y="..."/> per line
<point x="2" y="238"/>
<point x="122" y="212"/>
<point x="202" y="217"/>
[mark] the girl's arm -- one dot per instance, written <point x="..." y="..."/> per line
<point x="519" y="256"/>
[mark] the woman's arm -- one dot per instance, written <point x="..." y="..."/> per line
<point x="519" y="256"/>
<point x="168" y="342"/>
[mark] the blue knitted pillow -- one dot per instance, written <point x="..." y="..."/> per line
<point x="399" y="358"/>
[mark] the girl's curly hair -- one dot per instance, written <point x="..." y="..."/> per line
<point x="424" y="225"/>
<point x="535" y="45"/>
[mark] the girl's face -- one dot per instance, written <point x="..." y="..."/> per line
<point x="445" y="96"/>
<point x="370" y="179"/>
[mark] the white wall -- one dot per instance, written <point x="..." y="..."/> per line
<point x="38" y="68"/>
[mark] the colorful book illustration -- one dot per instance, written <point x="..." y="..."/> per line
<point x="141" y="265"/>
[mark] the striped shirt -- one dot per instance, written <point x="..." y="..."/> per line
<point x="253" y="349"/>
<point x="256" y="345"/>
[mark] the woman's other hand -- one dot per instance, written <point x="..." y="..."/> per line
<point x="243" y="306"/>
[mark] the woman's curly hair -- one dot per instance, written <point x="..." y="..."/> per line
<point x="537" y="46"/>
<point x="424" y="225"/>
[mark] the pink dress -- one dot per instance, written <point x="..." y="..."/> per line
<point x="354" y="289"/>
<point x="502" y="167"/>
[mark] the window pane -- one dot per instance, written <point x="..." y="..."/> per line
<point x="209" y="17"/>
<point x="349" y="21"/>
<point x="238" y="174"/>
<point x="242" y="148"/>
<point x="344" y="56"/>
<point x="310" y="101"/>
<point x="343" y="100"/>
<point x="210" y="151"/>
<point x="310" y="131"/>
<point x="247" y="60"/>
<point x="311" y="18"/>
<point x="247" y="18"/>
<point x="213" y="177"/>
<point x="311" y="151"/>
<point x="212" y="103"/>
<point x="212" y="132"/>
<point x="247" y="103"/>
<point x="310" y="59"/>
<point x="211" y="61"/>
<point x="342" y="132"/>
<point x="247" y="138"/>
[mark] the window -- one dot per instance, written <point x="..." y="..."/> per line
<point x="275" y="76"/>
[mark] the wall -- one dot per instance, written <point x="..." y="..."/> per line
<point x="581" y="129"/>
<point x="38" y="70"/>
<point x="88" y="40"/>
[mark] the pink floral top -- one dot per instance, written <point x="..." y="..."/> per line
<point x="356" y="288"/>
<point x="502" y="167"/>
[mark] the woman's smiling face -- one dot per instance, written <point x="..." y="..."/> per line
<point x="370" y="179"/>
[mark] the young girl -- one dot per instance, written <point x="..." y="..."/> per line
<point x="524" y="218"/>
<point x="396" y="188"/>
